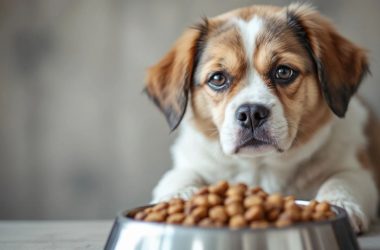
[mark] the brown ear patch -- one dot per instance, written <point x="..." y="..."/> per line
<point x="169" y="81"/>
<point x="339" y="64"/>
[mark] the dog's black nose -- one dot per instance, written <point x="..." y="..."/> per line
<point x="252" y="115"/>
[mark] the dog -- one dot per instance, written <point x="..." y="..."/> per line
<point x="266" y="95"/>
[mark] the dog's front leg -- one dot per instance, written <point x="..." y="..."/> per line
<point x="181" y="183"/>
<point x="354" y="190"/>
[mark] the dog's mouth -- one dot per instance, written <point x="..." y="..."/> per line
<point x="258" y="144"/>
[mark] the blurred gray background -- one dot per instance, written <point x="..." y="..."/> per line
<point x="78" y="139"/>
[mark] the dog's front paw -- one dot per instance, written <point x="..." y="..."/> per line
<point x="184" y="193"/>
<point x="358" y="219"/>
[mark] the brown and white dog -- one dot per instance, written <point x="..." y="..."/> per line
<point x="269" y="100"/>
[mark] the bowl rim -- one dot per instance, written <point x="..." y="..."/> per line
<point x="341" y="214"/>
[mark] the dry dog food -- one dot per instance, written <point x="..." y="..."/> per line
<point x="235" y="206"/>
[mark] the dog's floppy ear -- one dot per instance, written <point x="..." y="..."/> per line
<point x="340" y="64"/>
<point x="169" y="81"/>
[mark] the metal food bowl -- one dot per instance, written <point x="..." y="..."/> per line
<point x="129" y="234"/>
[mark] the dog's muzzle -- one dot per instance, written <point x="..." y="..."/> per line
<point x="252" y="119"/>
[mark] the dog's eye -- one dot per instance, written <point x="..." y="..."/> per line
<point x="218" y="81"/>
<point x="284" y="75"/>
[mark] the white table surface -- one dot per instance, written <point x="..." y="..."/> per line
<point x="41" y="235"/>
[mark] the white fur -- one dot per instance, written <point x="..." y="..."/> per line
<point x="325" y="168"/>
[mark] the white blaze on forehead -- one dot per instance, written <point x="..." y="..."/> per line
<point x="255" y="91"/>
<point x="249" y="31"/>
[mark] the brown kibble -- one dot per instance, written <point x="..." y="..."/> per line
<point x="262" y="194"/>
<point x="200" y="200"/>
<point x="148" y="210"/>
<point x="176" y="218"/>
<point x="291" y="205"/>
<point x="273" y="214"/>
<point x="233" y="199"/>
<point x="176" y="201"/>
<point x="219" y="188"/>
<point x="237" y="221"/>
<point x="283" y="223"/>
<point x="214" y="200"/>
<point x="306" y="215"/>
<point x="235" y="206"/>
<point x="289" y="198"/>
<point x="274" y="201"/>
<point x="218" y="213"/>
<point x="319" y="215"/>
<point x="189" y="221"/>
<point x="199" y="213"/>
<point x="202" y="191"/>
<point x="160" y="206"/>
<point x="254" y="213"/>
<point x="176" y="208"/>
<point x="206" y="222"/>
<point x="294" y="214"/>
<point x="234" y="209"/>
<point x="155" y="217"/>
<point x="236" y="190"/>
<point x="253" y="200"/>
<point x="259" y="224"/>
<point x="323" y="207"/>
<point x="312" y="204"/>
<point x="189" y="206"/>
<point x="140" y="215"/>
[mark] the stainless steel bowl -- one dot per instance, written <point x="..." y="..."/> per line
<point x="129" y="234"/>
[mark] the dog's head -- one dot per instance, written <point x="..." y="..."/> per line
<point x="260" y="79"/>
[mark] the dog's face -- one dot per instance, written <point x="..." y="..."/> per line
<point x="261" y="79"/>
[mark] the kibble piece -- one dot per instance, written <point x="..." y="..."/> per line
<point x="140" y="215"/>
<point x="234" y="209"/>
<point x="274" y="201"/>
<point x="176" y="201"/>
<point x="289" y="198"/>
<point x="218" y="213"/>
<point x="155" y="217"/>
<point x="189" y="221"/>
<point x="262" y="194"/>
<point x="189" y="206"/>
<point x="283" y="222"/>
<point x="254" y="213"/>
<point x="200" y="200"/>
<point x="307" y="215"/>
<point x="176" y="218"/>
<point x="312" y="204"/>
<point x="319" y="215"/>
<point x="259" y="224"/>
<point x="176" y="208"/>
<point x="253" y="200"/>
<point x="202" y="191"/>
<point x="237" y="221"/>
<point x="233" y="199"/>
<point x="148" y="210"/>
<point x="219" y="188"/>
<point x="214" y="200"/>
<point x="273" y="214"/>
<point x="323" y="207"/>
<point x="236" y="190"/>
<point x="199" y="213"/>
<point x="206" y="222"/>
<point x="160" y="206"/>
